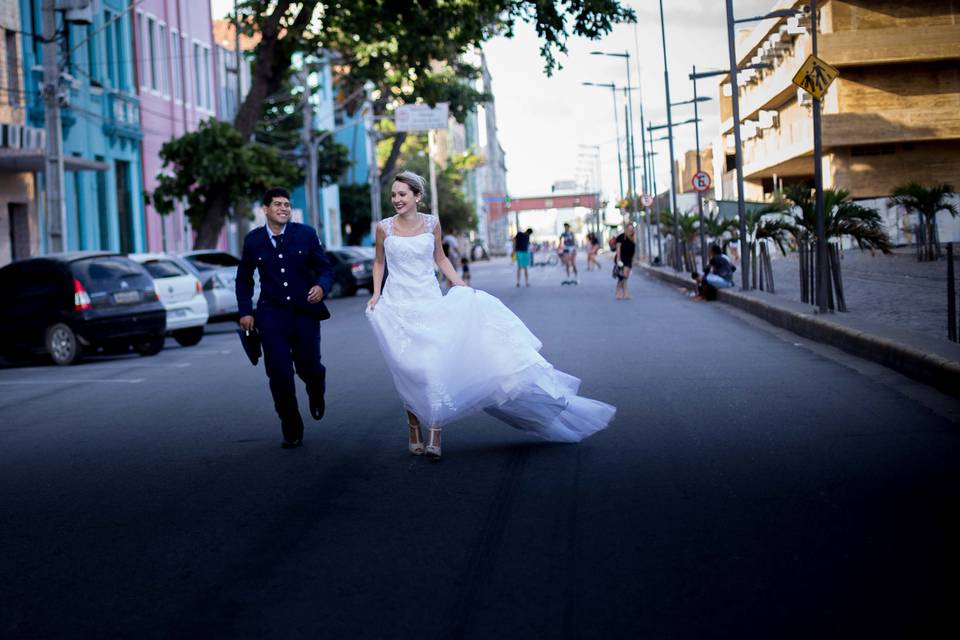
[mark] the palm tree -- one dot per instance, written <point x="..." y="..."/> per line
<point x="720" y="230"/>
<point x="926" y="202"/>
<point x="842" y="217"/>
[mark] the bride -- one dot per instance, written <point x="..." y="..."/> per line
<point x="454" y="354"/>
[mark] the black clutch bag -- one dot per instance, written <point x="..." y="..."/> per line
<point x="250" y="340"/>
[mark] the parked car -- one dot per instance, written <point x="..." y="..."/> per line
<point x="70" y="304"/>
<point x="217" y="271"/>
<point x="181" y="294"/>
<point x="352" y="270"/>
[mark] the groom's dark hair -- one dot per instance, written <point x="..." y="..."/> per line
<point x="274" y="192"/>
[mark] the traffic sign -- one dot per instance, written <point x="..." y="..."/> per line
<point x="422" y="117"/>
<point x="646" y="199"/>
<point x="815" y="76"/>
<point x="700" y="181"/>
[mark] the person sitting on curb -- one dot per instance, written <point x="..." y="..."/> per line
<point x="719" y="275"/>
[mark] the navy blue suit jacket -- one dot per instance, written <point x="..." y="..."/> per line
<point x="286" y="275"/>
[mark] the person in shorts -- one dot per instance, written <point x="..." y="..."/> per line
<point x="567" y="248"/>
<point x="521" y="253"/>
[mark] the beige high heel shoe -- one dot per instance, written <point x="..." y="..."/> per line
<point x="433" y="445"/>
<point x="415" y="443"/>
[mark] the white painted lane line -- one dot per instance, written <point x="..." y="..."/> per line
<point x="90" y="366"/>
<point x="73" y="381"/>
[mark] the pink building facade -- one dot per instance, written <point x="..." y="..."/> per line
<point x="176" y="78"/>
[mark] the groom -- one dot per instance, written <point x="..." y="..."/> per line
<point x="294" y="276"/>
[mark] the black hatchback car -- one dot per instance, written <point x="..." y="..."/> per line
<point x="69" y="304"/>
<point x="352" y="270"/>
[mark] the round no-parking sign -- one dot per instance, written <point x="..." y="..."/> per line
<point x="700" y="181"/>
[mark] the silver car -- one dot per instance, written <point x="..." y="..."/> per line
<point x="217" y="271"/>
<point x="180" y="292"/>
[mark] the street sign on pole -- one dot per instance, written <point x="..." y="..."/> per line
<point x="815" y="76"/>
<point x="700" y="181"/>
<point x="646" y="200"/>
<point x="421" y="117"/>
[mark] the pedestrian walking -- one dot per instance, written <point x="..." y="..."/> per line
<point x="623" y="260"/>
<point x="294" y="277"/>
<point x="455" y="354"/>
<point x="521" y="253"/>
<point x="567" y="248"/>
<point x="593" y="248"/>
<point x="465" y="270"/>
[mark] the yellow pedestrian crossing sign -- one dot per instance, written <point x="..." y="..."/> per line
<point x="815" y="76"/>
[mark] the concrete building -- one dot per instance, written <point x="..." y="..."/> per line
<point x="100" y="124"/>
<point x="19" y="226"/>
<point x="177" y="81"/>
<point x="892" y="116"/>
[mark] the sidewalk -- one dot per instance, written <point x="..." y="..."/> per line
<point x="916" y="354"/>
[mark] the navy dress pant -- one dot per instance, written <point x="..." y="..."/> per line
<point x="289" y="340"/>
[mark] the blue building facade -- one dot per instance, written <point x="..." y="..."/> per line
<point x="101" y="125"/>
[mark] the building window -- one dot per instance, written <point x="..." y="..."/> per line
<point x="13" y="78"/>
<point x="111" y="53"/>
<point x="163" y="61"/>
<point x="208" y="79"/>
<point x="197" y="76"/>
<point x="93" y="60"/>
<point x="175" y="63"/>
<point x="151" y="54"/>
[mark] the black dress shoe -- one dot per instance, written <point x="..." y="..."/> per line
<point x="318" y="406"/>
<point x="291" y="445"/>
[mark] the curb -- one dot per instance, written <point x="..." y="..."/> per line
<point x="941" y="371"/>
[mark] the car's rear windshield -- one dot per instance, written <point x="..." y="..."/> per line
<point x="109" y="274"/>
<point x="164" y="269"/>
<point x="215" y="259"/>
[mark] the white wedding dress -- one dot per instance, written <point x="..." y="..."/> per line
<point x="454" y="354"/>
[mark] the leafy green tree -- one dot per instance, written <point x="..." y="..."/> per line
<point x="768" y="221"/>
<point x="719" y="229"/>
<point x="405" y="51"/>
<point x="213" y="169"/>
<point x="926" y="202"/>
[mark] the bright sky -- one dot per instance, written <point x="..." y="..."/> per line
<point x="542" y="121"/>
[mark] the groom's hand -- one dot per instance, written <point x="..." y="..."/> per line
<point x="315" y="294"/>
<point x="246" y="323"/>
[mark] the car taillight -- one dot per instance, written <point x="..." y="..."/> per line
<point x="199" y="288"/>
<point x="151" y="294"/>
<point x="356" y="267"/>
<point x="81" y="300"/>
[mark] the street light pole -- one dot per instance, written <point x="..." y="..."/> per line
<point x="656" y="198"/>
<point x="673" y="173"/>
<point x="738" y="156"/>
<point x="696" y="128"/>
<point x="822" y="273"/>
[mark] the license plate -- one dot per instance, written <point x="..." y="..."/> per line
<point x="178" y="313"/>
<point x="126" y="297"/>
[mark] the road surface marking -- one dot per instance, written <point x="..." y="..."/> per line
<point x="72" y="381"/>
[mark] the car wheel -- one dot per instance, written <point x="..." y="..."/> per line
<point x="336" y="290"/>
<point x="188" y="337"/>
<point x="150" y="346"/>
<point x="350" y="292"/>
<point x="62" y="344"/>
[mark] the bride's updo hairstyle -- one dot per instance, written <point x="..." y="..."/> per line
<point x="416" y="183"/>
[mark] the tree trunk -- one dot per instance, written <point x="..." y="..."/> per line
<point x="386" y="174"/>
<point x="210" y="225"/>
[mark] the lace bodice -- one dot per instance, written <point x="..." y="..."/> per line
<point x="410" y="263"/>
<point x="427" y="224"/>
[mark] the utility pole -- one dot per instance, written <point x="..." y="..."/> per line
<point x="822" y="273"/>
<point x="306" y="137"/>
<point x="434" y="199"/>
<point x="56" y="212"/>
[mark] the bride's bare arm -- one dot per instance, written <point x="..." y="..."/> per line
<point x="378" y="261"/>
<point x="443" y="261"/>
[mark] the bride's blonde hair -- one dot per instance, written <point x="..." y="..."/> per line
<point x="416" y="183"/>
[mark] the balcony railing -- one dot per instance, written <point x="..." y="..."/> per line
<point x="122" y="115"/>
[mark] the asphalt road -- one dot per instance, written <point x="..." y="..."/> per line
<point x="750" y="486"/>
